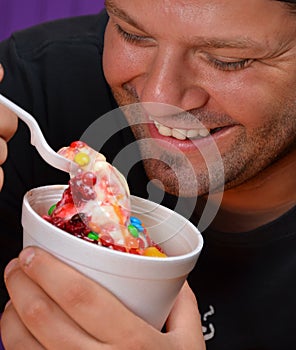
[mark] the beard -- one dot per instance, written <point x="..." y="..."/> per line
<point x="249" y="152"/>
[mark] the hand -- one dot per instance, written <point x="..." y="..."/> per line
<point x="55" y="307"/>
<point x="8" y="126"/>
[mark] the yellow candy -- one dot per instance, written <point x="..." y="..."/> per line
<point x="81" y="159"/>
<point x="153" y="251"/>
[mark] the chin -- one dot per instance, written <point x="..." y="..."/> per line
<point x="181" y="184"/>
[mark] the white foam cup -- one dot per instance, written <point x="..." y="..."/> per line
<point x="146" y="285"/>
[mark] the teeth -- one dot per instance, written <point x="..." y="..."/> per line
<point x="203" y="132"/>
<point x="181" y="134"/>
<point x="191" y="134"/>
<point x="165" y="131"/>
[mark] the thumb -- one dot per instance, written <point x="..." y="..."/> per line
<point x="184" y="320"/>
<point x="1" y="72"/>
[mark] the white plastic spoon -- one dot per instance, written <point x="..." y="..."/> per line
<point x="38" y="140"/>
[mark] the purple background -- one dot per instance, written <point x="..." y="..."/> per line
<point x="19" y="14"/>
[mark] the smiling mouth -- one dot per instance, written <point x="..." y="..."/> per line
<point x="183" y="134"/>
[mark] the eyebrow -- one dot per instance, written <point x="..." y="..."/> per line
<point x="118" y="12"/>
<point x="219" y="43"/>
<point x="197" y="41"/>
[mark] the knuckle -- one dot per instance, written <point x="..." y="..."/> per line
<point x="37" y="311"/>
<point x="76" y="294"/>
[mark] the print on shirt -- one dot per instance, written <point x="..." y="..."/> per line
<point x="207" y="327"/>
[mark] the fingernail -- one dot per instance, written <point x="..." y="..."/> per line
<point x="26" y="256"/>
<point x="1" y="67"/>
<point x="11" y="265"/>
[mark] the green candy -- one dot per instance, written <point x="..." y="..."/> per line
<point x="133" y="231"/>
<point x="51" y="209"/>
<point x="93" y="235"/>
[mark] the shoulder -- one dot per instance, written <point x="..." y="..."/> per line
<point x="85" y="30"/>
<point x="56" y="56"/>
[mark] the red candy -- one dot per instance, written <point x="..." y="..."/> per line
<point x="89" y="178"/>
<point x="77" y="144"/>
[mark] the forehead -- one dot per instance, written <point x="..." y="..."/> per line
<point x="211" y="16"/>
<point x="241" y="22"/>
<point x="191" y="8"/>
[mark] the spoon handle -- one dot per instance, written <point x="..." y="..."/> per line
<point x="37" y="138"/>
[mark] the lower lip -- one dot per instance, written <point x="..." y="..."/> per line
<point x="187" y="145"/>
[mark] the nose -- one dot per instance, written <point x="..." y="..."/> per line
<point x="170" y="80"/>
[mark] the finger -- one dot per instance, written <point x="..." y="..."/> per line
<point x="88" y="303"/>
<point x="42" y="316"/>
<point x="8" y="123"/>
<point x="1" y="178"/>
<point x="15" y="336"/>
<point x="3" y="150"/>
<point x="185" y="319"/>
<point x="1" y="72"/>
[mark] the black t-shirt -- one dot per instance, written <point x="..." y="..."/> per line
<point x="245" y="285"/>
<point x="244" y="282"/>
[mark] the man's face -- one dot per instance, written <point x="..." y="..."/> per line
<point x="230" y="63"/>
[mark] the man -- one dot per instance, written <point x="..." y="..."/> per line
<point x="231" y="65"/>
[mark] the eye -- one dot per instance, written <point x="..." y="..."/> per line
<point x="131" y="38"/>
<point x="230" y="65"/>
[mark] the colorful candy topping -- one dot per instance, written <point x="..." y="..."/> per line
<point x="96" y="206"/>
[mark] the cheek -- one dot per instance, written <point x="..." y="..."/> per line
<point x="250" y="100"/>
<point x="121" y="61"/>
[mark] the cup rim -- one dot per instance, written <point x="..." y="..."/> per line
<point x="108" y="251"/>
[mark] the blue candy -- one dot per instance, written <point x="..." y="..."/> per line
<point x="135" y="220"/>
<point x="139" y="227"/>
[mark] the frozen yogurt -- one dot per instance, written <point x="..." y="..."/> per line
<point x="96" y="205"/>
